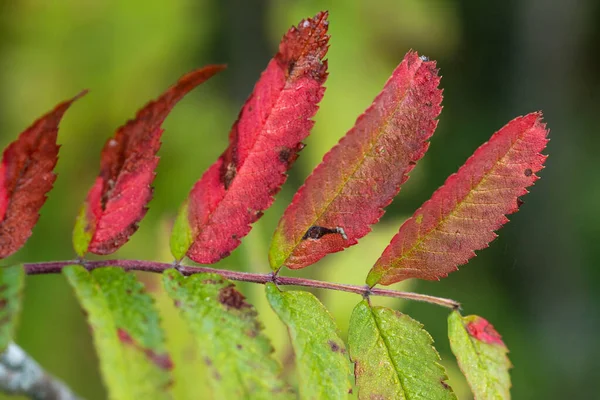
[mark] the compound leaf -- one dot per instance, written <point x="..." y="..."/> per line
<point x="322" y="364"/>
<point x="347" y="192"/>
<point x="228" y="336"/>
<point x="463" y="214"/>
<point x="126" y="330"/>
<point x="12" y="280"/>
<point x="481" y="355"/>
<point x="394" y="356"/>
<point x="118" y="200"/>
<point x="263" y="144"/>
<point x="26" y="176"/>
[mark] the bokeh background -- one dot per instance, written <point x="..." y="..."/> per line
<point x="537" y="283"/>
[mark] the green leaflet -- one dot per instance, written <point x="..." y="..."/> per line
<point x="394" y="356"/>
<point x="181" y="235"/>
<point x="81" y="236"/>
<point x="11" y="287"/>
<point x="127" y="335"/>
<point x="481" y="356"/>
<point x="228" y="337"/>
<point x="322" y="365"/>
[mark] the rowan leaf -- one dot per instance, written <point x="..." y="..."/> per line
<point x="463" y="214"/>
<point x="322" y="365"/>
<point x="12" y="280"/>
<point x="26" y="176"/>
<point x="481" y="355"/>
<point x="394" y="356"/>
<point x="347" y="192"/>
<point x="127" y="334"/>
<point x="228" y="336"/>
<point x="263" y="145"/>
<point x="118" y="200"/>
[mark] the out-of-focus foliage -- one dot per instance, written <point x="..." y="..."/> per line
<point x="498" y="59"/>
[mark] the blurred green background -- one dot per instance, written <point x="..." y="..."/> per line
<point x="536" y="284"/>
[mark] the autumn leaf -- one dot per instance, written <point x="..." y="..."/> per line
<point x="26" y="176"/>
<point x="463" y="214"/>
<point x="481" y="356"/>
<point x="263" y="144"/>
<point x="347" y="192"/>
<point x="117" y="201"/>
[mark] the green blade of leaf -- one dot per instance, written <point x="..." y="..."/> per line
<point x="126" y="330"/>
<point x="11" y="287"/>
<point x="322" y="365"/>
<point x="394" y="356"/>
<point x="228" y="336"/>
<point x="481" y="356"/>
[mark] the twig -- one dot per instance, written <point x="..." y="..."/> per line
<point x="20" y="374"/>
<point x="151" y="266"/>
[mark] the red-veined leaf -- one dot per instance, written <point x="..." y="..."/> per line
<point x="117" y="201"/>
<point x="347" y="192"/>
<point x="463" y="214"/>
<point x="263" y="144"/>
<point x="26" y="176"/>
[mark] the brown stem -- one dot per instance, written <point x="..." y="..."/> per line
<point x="151" y="266"/>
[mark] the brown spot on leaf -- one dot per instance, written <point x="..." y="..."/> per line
<point x="445" y="385"/>
<point x="228" y="173"/>
<point x="3" y="287"/>
<point x="231" y="298"/>
<point x="238" y="346"/>
<point x="317" y="232"/>
<point x="207" y="361"/>
<point x="335" y="347"/>
<point x="528" y="172"/>
<point x="3" y="302"/>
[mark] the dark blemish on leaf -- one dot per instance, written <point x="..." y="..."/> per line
<point x="519" y="202"/>
<point x="128" y="291"/>
<point x="238" y="346"/>
<point x="445" y="385"/>
<point x="251" y="333"/>
<point x="316" y="232"/>
<point x="350" y="391"/>
<point x="334" y="346"/>
<point x="289" y="155"/>
<point x="217" y="376"/>
<point x="177" y="303"/>
<point x="211" y="281"/>
<point x="228" y="174"/>
<point x="3" y="303"/>
<point x="291" y="67"/>
<point x="3" y="287"/>
<point x="528" y="172"/>
<point x="224" y="254"/>
<point x="231" y="298"/>
<point x="207" y="361"/>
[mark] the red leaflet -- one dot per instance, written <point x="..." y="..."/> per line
<point x="462" y="215"/>
<point x="347" y="192"/>
<point x="117" y="201"/>
<point x="482" y="330"/>
<point x="263" y="144"/>
<point x="26" y="176"/>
